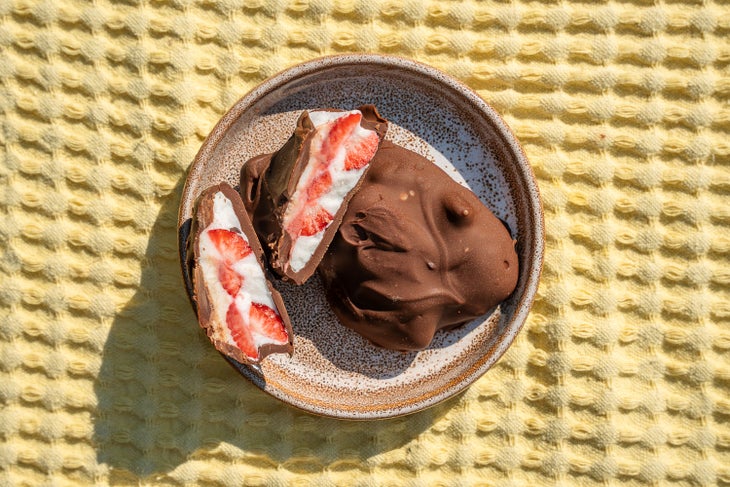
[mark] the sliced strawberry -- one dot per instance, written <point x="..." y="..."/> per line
<point x="241" y="332"/>
<point x="361" y="151"/>
<point x="310" y="221"/>
<point x="266" y="321"/>
<point x="314" y="219"/>
<point x="229" y="279"/>
<point x="319" y="186"/>
<point x="336" y="133"/>
<point x="231" y="245"/>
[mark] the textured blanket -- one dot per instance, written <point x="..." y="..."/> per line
<point x="621" y="375"/>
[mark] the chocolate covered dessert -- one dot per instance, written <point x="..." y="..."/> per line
<point x="415" y="252"/>
<point x="297" y="196"/>
<point x="241" y="312"/>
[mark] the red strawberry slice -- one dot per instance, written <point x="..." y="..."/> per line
<point x="240" y="332"/>
<point x="360" y="152"/>
<point x="320" y="185"/>
<point x="229" y="279"/>
<point x="230" y="245"/>
<point x="336" y="134"/>
<point x="310" y="221"/>
<point x="267" y="322"/>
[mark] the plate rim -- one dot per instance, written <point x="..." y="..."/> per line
<point x="528" y="180"/>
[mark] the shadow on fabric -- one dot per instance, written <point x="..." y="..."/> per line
<point x="165" y="396"/>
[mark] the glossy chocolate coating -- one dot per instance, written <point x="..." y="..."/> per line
<point x="415" y="252"/>
<point x="202" y="217"/>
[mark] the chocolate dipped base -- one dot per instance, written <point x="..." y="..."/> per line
<point x="415" y="252"/>
<point x="225" y="337"/>
<point x="268" y="183"/>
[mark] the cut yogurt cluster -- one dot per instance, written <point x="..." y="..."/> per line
<point x="243" y="315"/>
<point x="338" y="153"/>
<point x="297" y="196"/>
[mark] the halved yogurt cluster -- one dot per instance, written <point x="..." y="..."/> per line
<point x="301" y="191"/>
<point x="301" y="194"/>
<point x="339" y="153"/>
<point x="242" y="314"/>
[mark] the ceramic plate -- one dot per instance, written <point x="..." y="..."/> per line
<point x="333" y="371"/>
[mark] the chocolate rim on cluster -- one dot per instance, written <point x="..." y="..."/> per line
<point x="202" y="299"/>
<point x="269" y="184"/>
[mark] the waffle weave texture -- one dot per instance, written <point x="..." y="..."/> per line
<point x="621" y="376"/>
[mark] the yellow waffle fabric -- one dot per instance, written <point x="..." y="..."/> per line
<point x="621" y="376"/>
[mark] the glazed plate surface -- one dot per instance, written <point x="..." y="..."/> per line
<point x="333" y="371"/>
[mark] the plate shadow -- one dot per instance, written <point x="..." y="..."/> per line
<point x="165" y="396"/>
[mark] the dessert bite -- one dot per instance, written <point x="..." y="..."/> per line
<point x="241" y="312"/>
<point x="415" y="252"/>
<point x="297" y="196"/>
